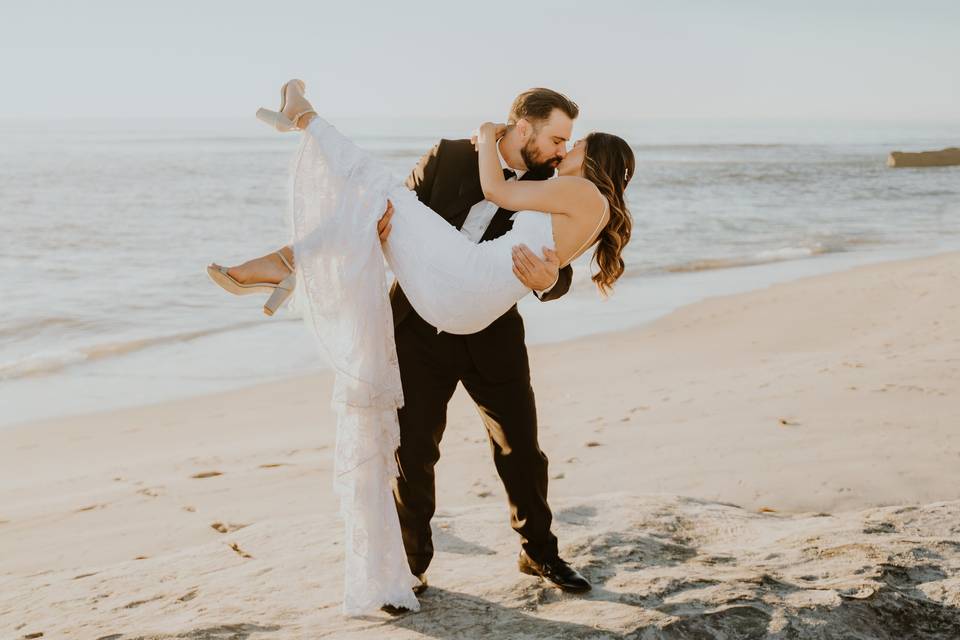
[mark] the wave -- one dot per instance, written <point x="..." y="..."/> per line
<point x="32" y="326"/>
<point x="768" y="256"/>
<point x="53" y="360"/>
<point x="712" y="146"/>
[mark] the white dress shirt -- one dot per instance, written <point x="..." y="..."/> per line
<point x="481" y="214"/>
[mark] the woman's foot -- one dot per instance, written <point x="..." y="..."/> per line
<point x="295" y="113"/>
<point x="269" y="268"/>
<point x="296" y="103"/>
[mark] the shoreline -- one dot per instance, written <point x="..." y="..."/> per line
<point x="142" y="379"/>
<point x="559" y="367"/>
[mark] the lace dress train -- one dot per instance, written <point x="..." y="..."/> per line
<point x="339" y="194"/>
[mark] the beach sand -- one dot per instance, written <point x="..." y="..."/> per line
<point x="781" y="462"/>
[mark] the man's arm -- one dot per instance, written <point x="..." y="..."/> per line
<point x="543" y="276"/>
<point x="424" y="174"/>
<point x="564" y="278"/>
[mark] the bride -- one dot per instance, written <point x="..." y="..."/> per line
<point x="335" y="262"/>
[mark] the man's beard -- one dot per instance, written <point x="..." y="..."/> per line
<point x="529" y="154"/>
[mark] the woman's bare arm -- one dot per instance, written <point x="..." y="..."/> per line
<point x="562" y="195"/>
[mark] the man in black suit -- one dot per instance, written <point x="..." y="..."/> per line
<point x="492" y="364"/>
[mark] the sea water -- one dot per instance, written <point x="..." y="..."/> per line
<point x="106" y="228"/>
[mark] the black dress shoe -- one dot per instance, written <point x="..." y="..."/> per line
<point x="420" y="588"/>
<point x="554" y="570"/>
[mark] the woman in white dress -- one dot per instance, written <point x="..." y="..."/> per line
<point x="335" y="263"/>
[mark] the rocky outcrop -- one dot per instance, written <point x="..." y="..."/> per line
<point x="943" y="158"/>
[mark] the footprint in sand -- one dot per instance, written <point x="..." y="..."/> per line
<point x="880" y="527"/>
<point x="136" y="603"/>
<point x="240" y="552"/>
<point x="480" y="490"/>
<point x="227" y="527"/>
<point x="592" y="443"/>
<point x="90" y="508"/>
<point x="271" y="465"/>
<point x="188" y="596"/>
<point x="153" y="492"/>
<point x="207" y="474"/>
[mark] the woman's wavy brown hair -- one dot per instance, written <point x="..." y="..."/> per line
<point x="608" y="162"/>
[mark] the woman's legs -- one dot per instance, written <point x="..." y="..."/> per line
<point x="297" y="103"/>
<point x="268" y="268"/>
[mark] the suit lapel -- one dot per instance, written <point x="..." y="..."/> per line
<point x="469" y="191"/>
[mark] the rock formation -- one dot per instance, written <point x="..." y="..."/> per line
<point x="943" y="158"/>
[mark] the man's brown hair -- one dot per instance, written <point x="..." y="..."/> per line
<point x="538" y="103"/>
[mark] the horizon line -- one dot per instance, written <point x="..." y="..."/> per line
<point x="636" y="118"/>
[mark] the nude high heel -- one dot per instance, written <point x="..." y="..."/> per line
<point x="278" y="292"/>
<point x="277" y="119"/>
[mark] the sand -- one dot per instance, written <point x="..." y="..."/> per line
<point x="783" y="463"/>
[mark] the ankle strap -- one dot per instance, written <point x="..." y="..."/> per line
<point x="284" y="259"/>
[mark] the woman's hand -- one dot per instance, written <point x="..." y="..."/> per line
<point x="488" y="132"/>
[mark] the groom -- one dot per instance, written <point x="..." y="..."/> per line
<point x="492" y="363"/>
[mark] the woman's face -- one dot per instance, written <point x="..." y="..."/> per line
<point x="573" y="162"/>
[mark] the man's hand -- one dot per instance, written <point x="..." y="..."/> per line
<point x="384" y="226"/>
<point x="533" y="272"/>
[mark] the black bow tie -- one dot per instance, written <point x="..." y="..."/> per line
<point x="509" y="173"/>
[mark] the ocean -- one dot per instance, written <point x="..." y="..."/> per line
<point x="108" y="225"/>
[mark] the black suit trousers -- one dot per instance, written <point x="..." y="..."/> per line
<point x="494" y="370"/>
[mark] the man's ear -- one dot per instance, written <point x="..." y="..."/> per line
<point x="523" y="128"/>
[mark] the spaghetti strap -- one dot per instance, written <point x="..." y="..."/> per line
<point x="596" y="230"/>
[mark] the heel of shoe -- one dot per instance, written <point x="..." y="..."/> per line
<point x="279" y="295"/>
<point x="275" y="119"/>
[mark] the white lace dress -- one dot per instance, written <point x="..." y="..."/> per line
<point x="339" y="194"/>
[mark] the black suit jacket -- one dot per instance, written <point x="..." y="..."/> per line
<point x="447" y="179"/>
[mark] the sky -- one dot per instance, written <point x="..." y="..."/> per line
<point x="842" y="59"/>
